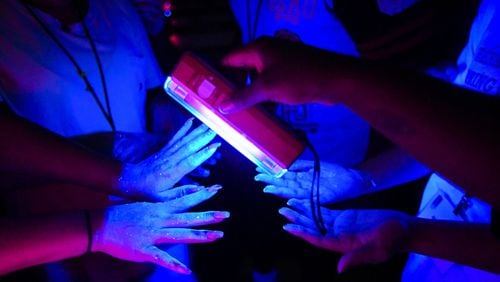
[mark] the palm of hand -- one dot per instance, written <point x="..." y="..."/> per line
<point x="336" y="182"/>
<point x="364" y="236"/>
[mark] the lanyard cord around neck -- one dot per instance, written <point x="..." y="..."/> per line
<point x="252" y="26"/>
<point x="106" y="112"/>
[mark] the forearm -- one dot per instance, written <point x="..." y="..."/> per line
<point x="446" y="127"/>
<point x="27" y="149"/>
<point x="391" y="168"/>
<point x="466" y="243"/>
<point x="29" y="242"/>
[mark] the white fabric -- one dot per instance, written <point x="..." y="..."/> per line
<point x="337" y="134"/>
<point x="39" y="82"/>
<point x="478" y="68"/>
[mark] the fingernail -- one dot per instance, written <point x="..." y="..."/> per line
<point x="214" y="146"/>
<point x="226" y="107"/>
<point x="214" y="188"/>
<point x="180" y="268"/>
<point x="268" y="189"/>
<point x="282" y="211"/>
<point x="222" y="215"/>
<point x="214" y="235"/>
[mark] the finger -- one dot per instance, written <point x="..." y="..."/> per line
<point x="286" y="192"/>
<point x="195" y="144"/>
<point x="193" y="161"/>
<point x="283" y="182"/>
<point x="179" y="192"/>
<point x="247" y="57"/>
<point x="186" y="236"/>
<point x="260" y="170"/>
<point x="191" y="200"/>
<point x="214" y="159"/>
<point x="200" y="172"/>
<point x="195" y="218"/>
<point x="247" y="97"/>
<point x="181" y="132"/>
<point x="296" y="218"/>
<point x="314" y="237"/>
<point x="303" y="206"/>
<point x="362" y="255"/>
<point x="200" y="135"/>
<point x="302" y="165"/>
<point x="154" y="255"/>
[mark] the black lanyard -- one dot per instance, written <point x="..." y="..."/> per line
<point x="88" y="86"/>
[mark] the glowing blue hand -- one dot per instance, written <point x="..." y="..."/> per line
<point x="152" y="177"/>
<point x="363" y="236"/>
<point x="134" y="231"/>
<point x="336" y="182"/>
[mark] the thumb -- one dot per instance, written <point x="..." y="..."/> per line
<point x="247" y="97"/>
<point x="362" y="255"/>
<point x="162" y="258"/>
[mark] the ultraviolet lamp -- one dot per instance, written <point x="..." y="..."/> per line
<point x="255" y="133"/>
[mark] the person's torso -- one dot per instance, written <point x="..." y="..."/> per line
<point x="40" y="83"/>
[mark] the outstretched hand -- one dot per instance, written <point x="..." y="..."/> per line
<point x="337" y="183"/>
<point x="363" y="236"/>
<point x="152" y="178"/>
<point x="134" y="231"/>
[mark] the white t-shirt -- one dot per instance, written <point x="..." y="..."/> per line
<point x="40" y="83"/>
<point x="478" y="68"/>
<point x="337" y="134"/>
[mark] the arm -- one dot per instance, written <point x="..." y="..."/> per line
<point x="337" y="183"/>
<point x="391" y="168"/>
<point x="31" y="150"/>
<point x="450" y="129"/>
<point x="466" y="243"/>
<point x="28" y="242"/>
<point x="32" y="241"/>
<point x="373" y="236"/>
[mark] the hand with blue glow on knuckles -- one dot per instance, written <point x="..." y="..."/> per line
<point x="363" y="236"/>
<point x="336" y="182"/>
<point x="154" y="177"/>
<point x="135" y="147"/>
<point x="136" y="231"/>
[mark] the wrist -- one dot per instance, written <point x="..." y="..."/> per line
<point x="95" y="231"/>
<point x="124" y="180"/>
<point x="366" y="180"/>
<point x="410" y="224"/>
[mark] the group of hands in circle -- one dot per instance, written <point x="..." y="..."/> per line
<point x="142" y="230"/>
<point x="139" y="231"/>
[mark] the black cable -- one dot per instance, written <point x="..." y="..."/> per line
<point x="314" y="196"/>
<point x="99" y="66"/>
